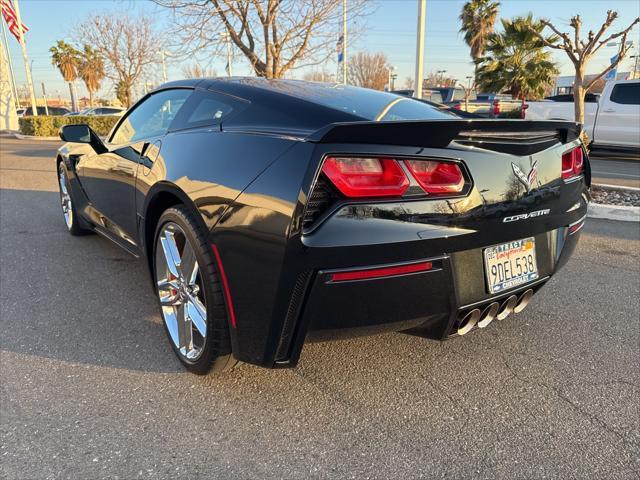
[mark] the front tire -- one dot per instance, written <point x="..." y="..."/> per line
<point x="71" y="219"/>
<point x="191" y="299"/>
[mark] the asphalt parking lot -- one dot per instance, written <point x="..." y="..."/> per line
<point x="612" y="168"/>
<point x="90" y="388"/>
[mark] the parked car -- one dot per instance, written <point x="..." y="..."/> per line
<point x="611" y="122"/>
<point x="275" y="212"/>
<point x="42" y="111"/>
<point x="20" y="112"/>
<point x="429" y="94"/>
<point x="455" y="111"/>
<point x="117" y="111"/>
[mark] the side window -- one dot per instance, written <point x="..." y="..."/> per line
<point x="626" y="94"/>
<point x="205" y="108"/>
<point x="152" y="117"/>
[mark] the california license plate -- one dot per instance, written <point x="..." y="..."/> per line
<point x="510" y="264"/>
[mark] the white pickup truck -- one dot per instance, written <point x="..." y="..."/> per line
<point x="612" y="122"/>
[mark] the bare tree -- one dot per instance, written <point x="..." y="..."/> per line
<point x="198" y="71"/>
<point x="128" y="45"/>
<point x="319" y="76"/>
<point x="468" y="90"/>
<point x="408" y="83"/>
<point x="580" y="51"/>
<point x="369" y="70"/>
<point x="275" y="36"/>
<point x="435" y="79"/>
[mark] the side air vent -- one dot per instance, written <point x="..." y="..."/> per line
<point x="293" y="313"/>
<point x="322" y="196"/>
<point x="515" y="143"/>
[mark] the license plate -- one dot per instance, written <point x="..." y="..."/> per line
<point x="510" y="264"/>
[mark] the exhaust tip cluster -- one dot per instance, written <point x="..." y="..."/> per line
<point x="482" y="318"/>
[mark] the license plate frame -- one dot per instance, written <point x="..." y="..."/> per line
<point x="516" y="257"/>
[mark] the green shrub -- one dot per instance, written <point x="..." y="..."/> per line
<point x="48" y="126"/>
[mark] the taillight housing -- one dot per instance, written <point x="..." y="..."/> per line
<point x="366" y="177"/>
<point x="496" y="108"/>
<point x="572" y="163"/>
<point x="437" y="178"/>
<point x="360" y="177"/>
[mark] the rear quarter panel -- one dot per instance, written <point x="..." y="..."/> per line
<point x="209" y="166"/>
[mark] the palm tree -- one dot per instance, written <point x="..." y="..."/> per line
<point x="91" y="70"/>
<point x="66" y="58"/>
<point x="516" y="60"/>
<point x="478" y="18"/>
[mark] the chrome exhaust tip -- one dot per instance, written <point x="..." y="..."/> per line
<point x="523" y="301"/>
<point x="488" y="314"/>
<point x="469" y="321"/>
<point x="507" y="307"/>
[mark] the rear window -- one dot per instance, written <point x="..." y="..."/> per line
<point x="362" y="102"/>
<point x="628" y="94"/>
<point x="411" y="109"/>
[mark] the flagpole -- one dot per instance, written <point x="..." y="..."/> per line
<point x="344" y="42"/>
<point x="32" y="93"/>
<point x="14" y="89"/>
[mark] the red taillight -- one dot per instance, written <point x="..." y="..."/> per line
<point x="457" y="106"/>
<point x="572" y="163"/>
<point x="380" y="272"/>
<point x="437" y="178"/>
<point x="496" y="108"/>
<point x="366" y="177"/>
<point x="523" y="111"/>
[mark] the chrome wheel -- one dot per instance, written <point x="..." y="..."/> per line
<point x="65" y="198"/>
<point x="180" y="291"/>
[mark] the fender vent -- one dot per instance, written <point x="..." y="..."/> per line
<point x="293" y="313"/>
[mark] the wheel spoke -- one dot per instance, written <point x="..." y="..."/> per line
<point x="188" y="263"/>
<point x="198" y="315"/>
<point x="170" y="319"/>
<point x="171" y="253"/>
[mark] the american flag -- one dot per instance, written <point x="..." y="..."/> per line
<point x="10" y="17"/>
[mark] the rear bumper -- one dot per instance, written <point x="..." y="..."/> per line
<point x="429" y="303"/>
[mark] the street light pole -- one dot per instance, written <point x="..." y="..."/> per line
<point x="164" y="66"/>
<point x="422" y="7"/>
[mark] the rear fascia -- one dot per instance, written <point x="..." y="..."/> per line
<point x="277" y="273"/>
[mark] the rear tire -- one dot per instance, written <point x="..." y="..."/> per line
<point x="72" y="220"/>
<point x="190" y="295"/>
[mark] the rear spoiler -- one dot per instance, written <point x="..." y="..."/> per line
<point x="518" y="137"/>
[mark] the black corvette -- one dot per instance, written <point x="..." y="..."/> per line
<point x="274" y="212"/>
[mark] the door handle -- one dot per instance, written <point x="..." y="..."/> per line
<point x="609" y="110"/>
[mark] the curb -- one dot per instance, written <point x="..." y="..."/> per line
<point x="615" y="187"/>
<point x="614" y="212"/>
<point x="19" y="136"/>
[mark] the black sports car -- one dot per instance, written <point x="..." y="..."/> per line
<point x="271" y="212"/>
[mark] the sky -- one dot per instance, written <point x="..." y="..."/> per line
<point x="390" y="29"/>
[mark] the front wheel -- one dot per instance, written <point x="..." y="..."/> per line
<point x="190" y="295"/>
<point x="70" y="218"/>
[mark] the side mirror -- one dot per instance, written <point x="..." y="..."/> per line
<point x="82" y="134"/>
<point x="76" y="133"/>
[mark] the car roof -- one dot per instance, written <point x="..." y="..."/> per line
<point x="295" y="106"/>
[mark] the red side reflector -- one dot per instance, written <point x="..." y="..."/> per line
<point x="577" y="226"/>
<point x="225" y="286"/>
<point x="381" y="272"/>
<point x="435" y="177"/>
<point x="366" y="177"/>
